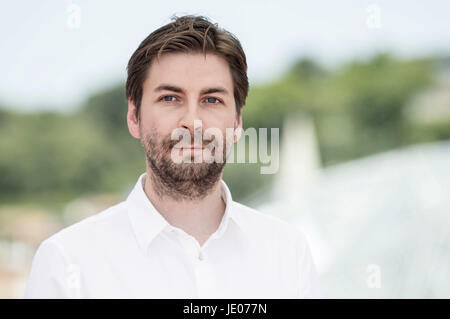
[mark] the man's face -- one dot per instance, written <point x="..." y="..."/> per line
<point x="179" y="89"/>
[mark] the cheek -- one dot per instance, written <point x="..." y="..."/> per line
<point x="224" y="124"/>
<point x="221" y="119"/>
<point x="151" y="120"/>
<point x="162" y="119"/>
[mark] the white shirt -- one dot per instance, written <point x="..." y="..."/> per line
<point x="130" y="251"/>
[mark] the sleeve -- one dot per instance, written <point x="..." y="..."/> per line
<point x="309" y="285"/>
<point x="52" y="275"/>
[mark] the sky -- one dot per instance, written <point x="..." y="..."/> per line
<point x="54" y="54"/>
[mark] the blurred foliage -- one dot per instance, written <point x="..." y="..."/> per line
<point x="358" y="110"/>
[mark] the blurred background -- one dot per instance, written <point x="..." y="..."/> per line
<point x="360" y="91"/>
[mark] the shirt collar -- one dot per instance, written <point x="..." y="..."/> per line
<point x="147" y="222"/>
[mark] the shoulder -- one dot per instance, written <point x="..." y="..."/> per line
<point x="105" y="223"/>
<point x="258" y="221"/>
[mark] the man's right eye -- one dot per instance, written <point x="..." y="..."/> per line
<point x="167" y="98"/>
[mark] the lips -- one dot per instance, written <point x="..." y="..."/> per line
<point x="191" y="147"/>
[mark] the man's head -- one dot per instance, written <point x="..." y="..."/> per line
<point x="186" y="70"/>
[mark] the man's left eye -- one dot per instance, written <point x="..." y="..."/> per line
<point x="213" y="100"/>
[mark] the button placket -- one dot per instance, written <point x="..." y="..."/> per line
<point x="201" y="255"/>
<point x="205" y="278"/>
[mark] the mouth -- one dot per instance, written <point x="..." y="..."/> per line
<point x="190" y="147"/>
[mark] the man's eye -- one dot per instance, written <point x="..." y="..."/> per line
<point x="213" y="100"/>
<point x="168" y="98"/>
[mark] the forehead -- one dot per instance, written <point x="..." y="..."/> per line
<point x="192" y="71"/>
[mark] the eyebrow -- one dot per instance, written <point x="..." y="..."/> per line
<point x="168" y="87"/>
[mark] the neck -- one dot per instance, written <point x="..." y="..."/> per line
<point x="199" y="217"/>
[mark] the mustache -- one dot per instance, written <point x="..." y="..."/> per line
<point x="168" y="143"/>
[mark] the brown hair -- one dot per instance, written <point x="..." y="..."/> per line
<point x="187" y="34"/>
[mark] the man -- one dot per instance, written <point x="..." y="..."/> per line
<point x="179" y="234"/>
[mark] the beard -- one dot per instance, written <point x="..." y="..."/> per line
<point x="180" y="181"/>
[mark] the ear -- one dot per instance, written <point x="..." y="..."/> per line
<point x="238" y="129"/>
<point x="132" y="121"/>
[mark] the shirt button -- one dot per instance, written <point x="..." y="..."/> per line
<point x="201" y="256"/>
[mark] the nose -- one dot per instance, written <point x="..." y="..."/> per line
<point x="191" y="120"/>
